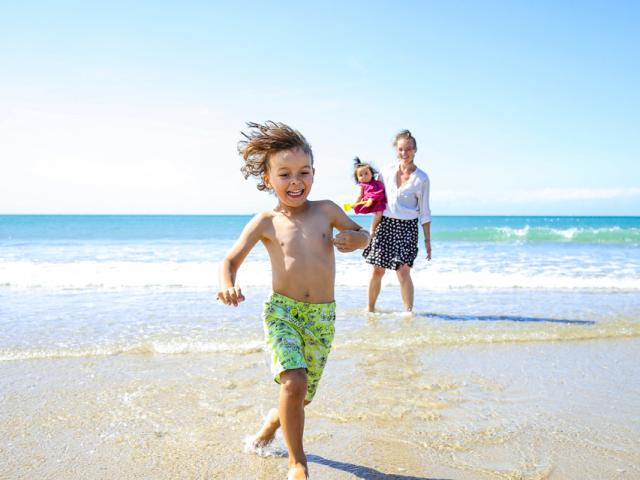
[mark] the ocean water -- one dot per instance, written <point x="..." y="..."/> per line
<point x="100" y="285"/>
<point x="520" y="361"/>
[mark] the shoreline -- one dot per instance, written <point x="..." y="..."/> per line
<point x="463" y="412"/>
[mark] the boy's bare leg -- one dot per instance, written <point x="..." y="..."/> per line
<point x="268" y="431"/>
<point x="374" y="287"/>
<point x="293" y="388"/>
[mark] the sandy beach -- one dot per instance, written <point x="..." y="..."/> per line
<point x="529" y="410"/>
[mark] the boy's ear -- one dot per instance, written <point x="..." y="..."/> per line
<point x="265" y="180"/>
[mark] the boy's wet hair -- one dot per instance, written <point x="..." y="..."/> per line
<point x="357" y="163"/>
<point x="262" y="141"/>
<point x="405" y="134"/>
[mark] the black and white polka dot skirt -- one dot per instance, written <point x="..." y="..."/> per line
<point x="395" y="243"/>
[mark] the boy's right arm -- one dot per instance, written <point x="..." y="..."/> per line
<point x="229" y="293"/>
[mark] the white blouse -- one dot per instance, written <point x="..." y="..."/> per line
<point x="409" y="201"/>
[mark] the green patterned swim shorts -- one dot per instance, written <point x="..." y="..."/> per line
<point x="298" y="335"/>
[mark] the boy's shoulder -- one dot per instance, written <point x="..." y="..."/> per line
<point x="324" y="208"/>
<point x="262" y="220"/>
<point x="262" y="216"/>
<point x="324" y="205"/>
<point x="267" y="214"/>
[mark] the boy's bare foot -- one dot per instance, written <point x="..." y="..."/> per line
<point x="298" y="471"/>
<point x="268" y="431"/>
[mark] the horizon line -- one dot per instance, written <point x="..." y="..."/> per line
<point x="255" y="213"/>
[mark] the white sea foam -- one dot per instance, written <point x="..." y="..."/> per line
<point x="350" y="273"/>
<point x="175" y="347"/>
<point x="607" y="235"/>
<point x="514" y="232"/>
<point x="271" y="449"/>
<point x="88" y="274"/>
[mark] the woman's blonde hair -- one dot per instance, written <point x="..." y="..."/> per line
<point x="407" y="135"/>
<point x="262" y="141"/>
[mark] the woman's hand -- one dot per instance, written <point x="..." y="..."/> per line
<point x="231" y="296"/>
<point x="427" y="244"/>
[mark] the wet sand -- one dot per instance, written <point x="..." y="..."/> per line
<point x="557" y="410"/>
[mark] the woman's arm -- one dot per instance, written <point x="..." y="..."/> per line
<point x="425" y="215"/>
<point x="423" y="202"/>
<point x="426" y="229"/>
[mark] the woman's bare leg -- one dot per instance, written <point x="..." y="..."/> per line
<point x="375" y="284"/>
<point x="406" y="286"/>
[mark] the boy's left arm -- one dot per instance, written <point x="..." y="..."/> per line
<point x="352" y="236"/>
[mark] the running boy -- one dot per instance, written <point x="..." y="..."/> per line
<point x="298" y="235"/>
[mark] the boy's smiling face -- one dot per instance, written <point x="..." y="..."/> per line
<point x="290" y="176"/>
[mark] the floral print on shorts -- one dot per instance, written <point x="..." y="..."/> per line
<point x="298" y="335"/>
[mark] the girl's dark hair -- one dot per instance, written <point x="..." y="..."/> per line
<point x="357" y="163"/>
<point x="262" y="141"/>
<point x="405" y="134"/>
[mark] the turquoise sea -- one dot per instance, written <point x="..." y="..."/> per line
<point x="53" y="267"/>
<point x="519" y="362"/>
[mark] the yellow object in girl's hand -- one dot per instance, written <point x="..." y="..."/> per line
<point x="349" y="206"/>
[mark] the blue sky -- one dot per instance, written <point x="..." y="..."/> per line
<point x="518" y="107"/>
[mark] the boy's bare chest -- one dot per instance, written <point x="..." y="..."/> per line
<point x="297" y="237"/>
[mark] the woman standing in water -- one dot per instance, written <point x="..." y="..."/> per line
<point x="394" y="245"/>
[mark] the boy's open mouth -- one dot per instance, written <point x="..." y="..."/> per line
<point x="295" y="193"/>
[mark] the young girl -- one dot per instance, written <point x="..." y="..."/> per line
<point x="371" y="192"/>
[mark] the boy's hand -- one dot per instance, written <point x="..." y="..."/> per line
<point x="350" y="240"/>
<point x="231" y="296"/>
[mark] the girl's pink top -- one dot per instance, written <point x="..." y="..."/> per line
<point x="374" y="190"/>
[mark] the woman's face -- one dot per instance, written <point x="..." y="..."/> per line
<point x="405" y="150"/>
